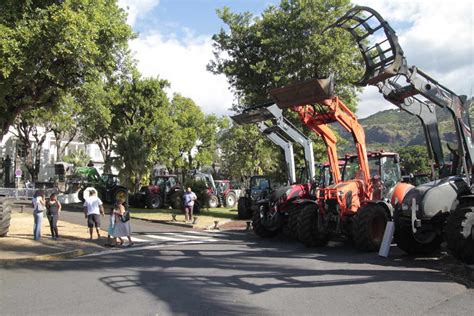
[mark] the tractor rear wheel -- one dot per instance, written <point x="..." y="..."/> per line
<point x="460" y="233"/>
<point x="5" y="216"/>
<point x="230" y="199"/>
<point x="293" y="223"/>
<point x="243" y="208"/>
<point x="424" y="244"/>
<point x="213" y="201"/>
<point x="309" y="227"/>
<point x="369" y="227"/>
<point x="154" y="201"/>
<point x="260" y="224"/>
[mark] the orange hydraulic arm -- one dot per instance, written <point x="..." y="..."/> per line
<point x="326" y="134"/>
<point x="325" y="108"/>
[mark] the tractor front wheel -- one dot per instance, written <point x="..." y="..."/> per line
<point x="243" y="208"/>
<point x="424" y="244"/>
<point x="213" y="201"/>
<point x="310" y="230"/>
<point x="369" y="227"/>
<point x="264" y="226"/>
<point x="460" y="233"/>
<point x="230" y="199"/>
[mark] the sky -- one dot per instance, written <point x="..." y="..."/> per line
<point x="174" y="42"/>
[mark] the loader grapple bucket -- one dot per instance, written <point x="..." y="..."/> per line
<point x="253" y="115"/>
<point x="377" y="42"/>
<point x="303" y="93"/>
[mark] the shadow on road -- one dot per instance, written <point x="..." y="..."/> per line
<point x="191" y="278"/>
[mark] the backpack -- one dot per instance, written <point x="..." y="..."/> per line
<point x="125" y="217"/>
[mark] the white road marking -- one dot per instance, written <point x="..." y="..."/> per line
<point x="148" y="247"/>
<point x="163" y="238"/>
<point x="136" y="239"/>
<point x="204" y="233"/>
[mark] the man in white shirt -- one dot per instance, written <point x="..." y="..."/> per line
<point x="93" y="208"/>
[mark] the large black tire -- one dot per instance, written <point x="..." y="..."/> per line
<point x="460" y="233"/>
<point x="260" y="229"/>
<point x="213" y="201"/>
<point x="230" y="199"/>
<point x="197" y="207"/>
<point x="406" y="240"/>
<point x="176" y="201"/>
<point x="243" y="208"/>
<point x="369" y="227"/>
<point x="293" y="223"/>
<point x="153" y="201"/>
<point x="309" y="227"/>
<point x="5" y="216"/>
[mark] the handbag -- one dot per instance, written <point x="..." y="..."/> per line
<point x="125" y="217"/>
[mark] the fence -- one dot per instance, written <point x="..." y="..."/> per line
<point x="23" y="193"/>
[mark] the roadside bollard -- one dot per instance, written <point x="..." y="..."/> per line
<point x="22" y="208"/>
<point x="215" y="224"/>
<point x="248" y="225"/>
<point x="174" y="217"/>
<point x="195" y="219"/>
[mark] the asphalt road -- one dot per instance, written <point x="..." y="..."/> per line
<point x="229" y="273"/>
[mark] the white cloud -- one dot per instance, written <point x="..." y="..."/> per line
<point x="136" y="8"/>
<point x="183" y="64"/>
<point x="436" y="36"/>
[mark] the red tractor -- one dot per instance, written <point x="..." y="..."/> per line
<point x="227" y="195"/>
<point x="163" y="190"/>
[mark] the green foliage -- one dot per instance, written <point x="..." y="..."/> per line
<point x="78" y="158"/>
<point x="415" y="159"/>
<point x="133" y="153"/>
<point x="282" y="46"/>
<point x="51" y="48"/>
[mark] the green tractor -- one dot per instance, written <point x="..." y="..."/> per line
<point x="107" y="186"/>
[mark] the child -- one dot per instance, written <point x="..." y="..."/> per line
<point x="110" y="230"/>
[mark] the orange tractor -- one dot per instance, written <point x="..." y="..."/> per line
<point x="357" y="206"/>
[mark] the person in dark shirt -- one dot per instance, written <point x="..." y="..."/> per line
<point x="53" y="209"/>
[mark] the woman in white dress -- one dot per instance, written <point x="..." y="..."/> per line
<point x="121" y="229"/>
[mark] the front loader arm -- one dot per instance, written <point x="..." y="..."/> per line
<point x="386" y="65"/>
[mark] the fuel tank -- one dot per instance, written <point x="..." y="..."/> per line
<point x="435" y="197"/>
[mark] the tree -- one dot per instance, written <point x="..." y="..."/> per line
<point x="282" y="46"/>
<point x="133" y="156"/>
<point x="415" y="159"/>
<point x="245" y="152"/>
<point x="78" y="158"/>
<point x="31" y="128"/>
<point x="142" y="111"/>
<point x="49" y="48"/>
<point x="64" y="124"/>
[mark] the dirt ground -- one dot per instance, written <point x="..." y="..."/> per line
<point x="19" y="242"/>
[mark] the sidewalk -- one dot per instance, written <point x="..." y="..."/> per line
<point x="19" y="245"/>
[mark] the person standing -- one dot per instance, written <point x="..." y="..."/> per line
<point x="93" y="209"/>
<point x="53" y="208"/>
<point x="121" y="228"/>
<point x="38" y="209"/>
<point x="188" y="199"/>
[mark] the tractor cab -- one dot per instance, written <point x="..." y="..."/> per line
<point x="165" y="183"/>
<point x="384" y="169"/>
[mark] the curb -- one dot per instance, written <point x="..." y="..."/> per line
<point x="51" y="257"/>
<point x="160" y="221"/>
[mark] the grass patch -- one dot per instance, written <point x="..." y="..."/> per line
<point x="205" y="218"/>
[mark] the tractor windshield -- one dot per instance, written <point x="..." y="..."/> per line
<point x="259" y="184"/>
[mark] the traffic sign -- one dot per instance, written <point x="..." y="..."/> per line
<point x="18" y="173"/>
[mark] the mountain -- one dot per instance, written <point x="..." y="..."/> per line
<point x="392" y="129"/>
